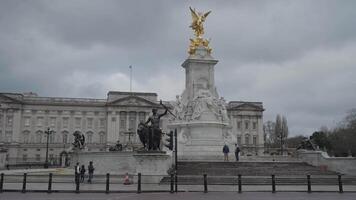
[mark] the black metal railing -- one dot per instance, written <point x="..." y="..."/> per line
<point x="139" y="183"/>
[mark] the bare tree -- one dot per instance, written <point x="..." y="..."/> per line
<point x="268" y="133"/>
<point x="280" y="131"/>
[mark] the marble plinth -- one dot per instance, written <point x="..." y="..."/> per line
<point x="152" y="165"/>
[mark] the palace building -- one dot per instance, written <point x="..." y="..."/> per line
<point x="24" y="119"/>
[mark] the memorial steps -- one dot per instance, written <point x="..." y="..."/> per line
<point x="254" y="173"/>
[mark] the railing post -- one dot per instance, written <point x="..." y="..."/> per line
<point x="239" y="183"/>
<point x="341" y="190"/>
<point x="273" y="183"/>
<point x="172" y="183"/>
<point x="139" y="183"/>
<point x="205" y="183"/>
<point x="77" y="183"/>
<point x="107" y="183"/>
<point x="50" y="183"/>
<point x="1" y="182"/>
<point x="24" y="182"/>
<point x="308" y="182"/>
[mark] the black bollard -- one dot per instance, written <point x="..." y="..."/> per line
<point x="176" y="182"/>
<point x="24" y="182"/>
<point x="205" y="183"/>
<point x="341" y="190"/>
<point x="1" y="182"/>
<point x="50" y="183"/>
<point x="172" y="183"/>
<point x="139" y="183"/>
<point x="77" y="183"/>
<point x="273" y="183"/>
<point x="309" y="184"/>
<point x="107" y="183"/>
<point x="239" y="183"/>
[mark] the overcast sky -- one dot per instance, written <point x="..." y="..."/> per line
<point x="297" y="57"/>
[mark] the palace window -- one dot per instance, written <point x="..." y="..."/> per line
<point x="102" y="138"/>
<point x="9" y="121"/>
<point x="38" y="137"/>
<point x="51" y="138"/>
<point x="26" y="136"/>
<point x="90" y="137"/>
<point x="39" y="121"/>
<point x="239" y="125"/>
<point x="90" y="122"/>
<point x="53" y="122"/>
<point x="102" y="123"/>
<point x="123" y="120"/>
<point x="65" y="122"/>
<point x="78" y="121"/>
<point x="27" y="121"/>
<point x="254" y="125"/>
<point x="246" y="125"/>
<point x="255" y="140"/>
<point x="132" y="121"/>
<point x="247" y="139"/>
<point x="1" y="137"/>
<point x="65" y="137"/>
<point x="239" y="140"/>
<point x="0" y="120"/>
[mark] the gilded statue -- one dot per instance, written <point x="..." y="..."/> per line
<point x="198" y="20"/>
<point x="198" y="28"/>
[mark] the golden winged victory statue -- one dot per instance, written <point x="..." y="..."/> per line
<point x="198" y="28"/>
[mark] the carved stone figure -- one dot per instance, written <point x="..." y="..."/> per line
<point x="79" y="140"/>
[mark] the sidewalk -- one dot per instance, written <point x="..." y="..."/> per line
<point x="186" y="188"/>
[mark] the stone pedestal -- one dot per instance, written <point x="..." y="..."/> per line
<point x="202" y="122"/>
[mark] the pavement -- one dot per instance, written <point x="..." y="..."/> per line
<point x="70" y="187"/>
<point x="181" y="195"/>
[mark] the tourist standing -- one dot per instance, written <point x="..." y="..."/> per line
<point x="82" y="173"/>
<point x="90" y="171"/>
<point x="237" y="151"/>
<point x="76" y="172"/>
<point x="226" y="151"/>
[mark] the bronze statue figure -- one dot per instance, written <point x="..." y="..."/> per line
<point x="150" y="133"/>
<point x="79" y="140"/>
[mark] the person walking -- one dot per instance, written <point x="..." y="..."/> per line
<point x="226" y="151"/>
<point x="90" y="171"/>
<point x="76" y="172"/>
<point x="237" y="151"/>
<point x="82" y="173"/>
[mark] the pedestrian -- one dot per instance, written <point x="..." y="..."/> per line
<point x="82" y="173"/>
<point x="90" y="171"/>
<point x="76" y="172"/>
<point x="237" y="151"/>
<point x="226" y="151"/>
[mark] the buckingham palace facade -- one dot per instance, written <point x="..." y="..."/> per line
<point x="24" y="118"/>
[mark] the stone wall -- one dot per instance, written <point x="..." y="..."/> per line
<point x="345" y="165"/>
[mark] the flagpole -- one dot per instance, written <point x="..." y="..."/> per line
<point x="130" y="78"/>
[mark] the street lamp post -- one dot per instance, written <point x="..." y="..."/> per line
<point x="47" y="132"/>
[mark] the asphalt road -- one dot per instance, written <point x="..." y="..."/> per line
<point x="180" y="196"/>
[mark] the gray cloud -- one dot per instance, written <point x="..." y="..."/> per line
<point x="295" y="56"/>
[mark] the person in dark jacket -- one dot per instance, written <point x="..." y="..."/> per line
<point x="82" y="173"/>
<point x="226" y="151"/>
<point x="76" y="172"/>
<point x="90" y="171"/>
<point x="237" y="152"/>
